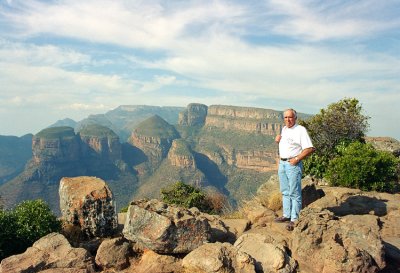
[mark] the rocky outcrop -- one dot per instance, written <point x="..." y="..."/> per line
<point x="50" y="252"/>
<point x="344" y="231"/>
<point x="194" y="115"/>
<point x="87" y="202"/>
<point x="255" y="120"/>
<point x="218" y="258"/>
<point x="258" y="245"/>
<point x="56" y="145"/>
<point x="385" y="144"/>
<point x="323" y="242"/>
<point x="165" y="228"/>
<point x="180" y="155"/>
<point x="100" y="141"/>
<point x="154" y="137"/>
<point x="113" y="254"/>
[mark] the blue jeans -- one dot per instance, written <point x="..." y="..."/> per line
<point x="290" y="186"/>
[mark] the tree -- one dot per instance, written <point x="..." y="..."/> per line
<point x="340" y="123"/>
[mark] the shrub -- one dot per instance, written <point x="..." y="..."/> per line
<point x="21" y="227"/>
<point x="186" y="196"/>
<point x="341" y="122"/>
<point x="361" y="166"/>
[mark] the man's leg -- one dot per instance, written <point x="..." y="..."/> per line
<point x="294" y="174"/>
<point x="284" y="187"/>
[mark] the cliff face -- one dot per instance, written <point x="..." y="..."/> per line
<point x="61" y="149"/>
<point x="264" y="121"/>
<point x="154" y="137"/>
<point x="155" y="148"/>
<point x="106" y="147"/>
<point x="180" y="155"/>
<point x="194" y="115"/>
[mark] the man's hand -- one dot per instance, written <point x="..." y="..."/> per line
<point x="278" y="138"/>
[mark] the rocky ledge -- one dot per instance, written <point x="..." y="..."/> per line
<point x="340" y="230"/>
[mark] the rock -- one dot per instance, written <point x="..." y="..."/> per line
<point x="154" y="137"/>
<point x="101" y="142"/>
<point x="194" y="115"/>
<point x="181" y="155"/>
<point x="88" y="203"/>
<point x="322" y="242"/>
<point x="151" y="262"/>
<point x="165" y="228"/>
<point x="50" y="252"/>
<point x="218" y="258"/>
<point x="113" y="254"/>
<point x="269" y="255"/>
<point x="56" y="145"/>
<point x="236" y="227"/>
<point x="256" y="120"/>
<point x="257" y="214"/>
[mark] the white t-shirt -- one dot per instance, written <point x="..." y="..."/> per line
<point x="294" y="140"/>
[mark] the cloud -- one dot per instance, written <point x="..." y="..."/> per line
<point x="320" y="20"/>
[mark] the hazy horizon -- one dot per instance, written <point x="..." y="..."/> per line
<point x="69" y="58"/>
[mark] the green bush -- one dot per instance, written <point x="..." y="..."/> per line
<point x="186" y="196"/>
<point x="341" y="122"/>
<point x="361" y="166"/>
<point x="22" y="226"/>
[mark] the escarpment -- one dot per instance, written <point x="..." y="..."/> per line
<point x="264" y="121"/>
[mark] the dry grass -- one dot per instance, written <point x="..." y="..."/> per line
<point x="275" y="201"/>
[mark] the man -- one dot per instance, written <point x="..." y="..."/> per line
<point x="294" y="145"/>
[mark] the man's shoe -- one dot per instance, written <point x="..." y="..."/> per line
<point x="290" y="226"/>
<point x="282" y="219"/>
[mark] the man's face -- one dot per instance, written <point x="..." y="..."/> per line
<point x="289" y="118"/>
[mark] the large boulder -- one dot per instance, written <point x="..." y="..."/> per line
<point x="323" y="242"/>
<point x="113" y="254"/>
<point x="87" y="202"/>
<point x="164" y="228"/>
<point x="50" y="252"/>
<point x="269" y="254"/>
<point x="218" y="258"/>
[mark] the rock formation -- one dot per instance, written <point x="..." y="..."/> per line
<point x="255" y="120"/>
<point x="154" y="137"/>
<point x="50" y="252"/>
<point x="56" y="145"/>
<point x="194" y="115"/>
<point x="180" y="155"/>
<point x="87" y="202"/>
<point x="344" y="230"/>
<point x="101" y="141"/>
<point x="165" y="228"/>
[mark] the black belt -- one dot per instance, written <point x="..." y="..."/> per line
<point x="286" y="159"/>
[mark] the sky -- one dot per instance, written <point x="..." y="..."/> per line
<point x="72" y="58"/>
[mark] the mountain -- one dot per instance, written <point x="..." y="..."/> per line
<point x="229" y="149"/>
<point x="64" y="122"/>
<point x="123" y="119"/>
<point x="14" y="154"/>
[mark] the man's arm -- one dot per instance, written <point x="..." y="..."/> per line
<point x="306" y="152"/>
